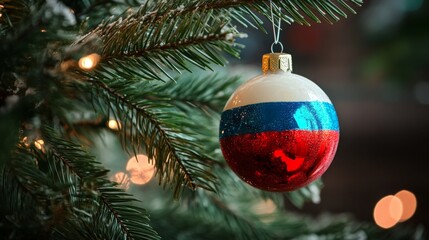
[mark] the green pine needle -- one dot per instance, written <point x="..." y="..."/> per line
<point x="161" y="129"/>
<point x="110" y="206"/>
<point x="150" y="46"/>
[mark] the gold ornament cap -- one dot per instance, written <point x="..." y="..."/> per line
<point x="277" y="62"/>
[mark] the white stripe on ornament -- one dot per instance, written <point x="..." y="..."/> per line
<point x="280" y="87"/>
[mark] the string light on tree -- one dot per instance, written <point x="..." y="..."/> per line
<point x="265" y="209"/>
<point x="39" y="144"/>
<point x="279" y="131"/>
<point x="113" y="124"/>
<point x="25" y="141"/>
<point x="89" y="62"/>
<point x="140" y="170"/>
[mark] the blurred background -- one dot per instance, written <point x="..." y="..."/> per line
<point x="374" y="66"/>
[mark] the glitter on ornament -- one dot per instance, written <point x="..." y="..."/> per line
<point x="279" y="131"/>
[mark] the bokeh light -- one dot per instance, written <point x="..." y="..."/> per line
<point x="395" y="208"/>
<point x="25" y="141"/>
<point x="409" y="204"/>
<point x="264" y="207"/>
<point x="39" y="144"/>
<point x="113" y="124"/>
<point x="140" y="170"/>
<point x="65" y="65"/>
<point x="122" y="179"/>
<point x="89" y="62"/>
<point x="265" y="210"/>
<point x="388" y="211"/>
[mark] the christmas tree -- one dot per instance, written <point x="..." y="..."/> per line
<point x="75" y="72"/>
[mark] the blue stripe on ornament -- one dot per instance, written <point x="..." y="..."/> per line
<point x="278" y="116"/>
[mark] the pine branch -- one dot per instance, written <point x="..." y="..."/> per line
<point x="12" y="12"/>
<point x="164" y="37"/>
<point x="137" y="47"/>
<point x="208" y="93"/>
<point x="240" y="215"/>
<point x="325" y="8"/>
<point x="179" y="159"/>
<point x="209" y="216"/>
<point x="243" y="226"/>
<point x="25" y="196"/>
<point x="115" y="205"/>
<point x="206" y="216"/>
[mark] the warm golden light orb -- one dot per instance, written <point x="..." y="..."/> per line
<point x="409" y="203"/>
<point x="388" y="211"/>
<point x="140" y="170"/>
<point x="89" y="62"/>
<point x="39" y="144"/>
<point x="113" y="124"/>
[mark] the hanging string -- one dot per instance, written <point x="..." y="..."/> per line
<point x="276" y="32"/>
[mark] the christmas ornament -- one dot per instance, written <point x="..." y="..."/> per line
<point x="279" y="131"/>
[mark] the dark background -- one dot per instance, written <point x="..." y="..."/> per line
<point x="375" y="68"/>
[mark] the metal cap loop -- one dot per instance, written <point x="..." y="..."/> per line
<point x="274" y="44"/>
<point x="275" y="62"/>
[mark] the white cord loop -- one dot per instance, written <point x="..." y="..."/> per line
<point x="276" y="32"/>
<point x="275" y="44"/>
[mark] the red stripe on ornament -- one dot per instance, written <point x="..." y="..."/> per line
<point x="280" y="161"/>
